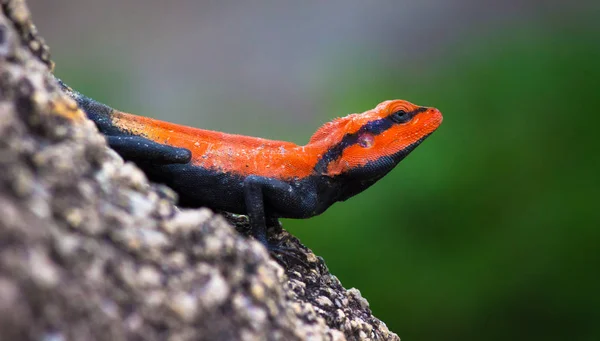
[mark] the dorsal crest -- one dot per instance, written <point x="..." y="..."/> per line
<point x="332" y="129"/>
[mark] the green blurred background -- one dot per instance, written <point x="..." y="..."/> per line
<point x="488" y="231"/>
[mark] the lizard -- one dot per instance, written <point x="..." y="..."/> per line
<point x="266" y="179"/>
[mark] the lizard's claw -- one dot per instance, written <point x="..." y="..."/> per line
<point x="283" y="254"/>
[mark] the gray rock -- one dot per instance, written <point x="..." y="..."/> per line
<point x="91" y="251"/>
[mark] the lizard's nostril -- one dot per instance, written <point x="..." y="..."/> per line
<point x="436" y="113"/>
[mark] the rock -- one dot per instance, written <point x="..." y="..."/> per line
<point x="91" y="251"/>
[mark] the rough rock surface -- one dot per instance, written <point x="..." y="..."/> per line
<point x="89" y="250"/>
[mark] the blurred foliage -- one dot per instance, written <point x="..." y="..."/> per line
<point x="490" y="229"/>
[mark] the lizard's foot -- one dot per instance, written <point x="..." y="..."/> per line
<point x="284" y="255"/>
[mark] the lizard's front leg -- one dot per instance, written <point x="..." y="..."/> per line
<point x="254" y="196"/>
<point x="281" y="198"/>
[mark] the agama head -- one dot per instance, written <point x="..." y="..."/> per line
<point x="372" y="143"/>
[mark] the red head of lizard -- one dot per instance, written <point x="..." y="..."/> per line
<point x="386" y="133"/>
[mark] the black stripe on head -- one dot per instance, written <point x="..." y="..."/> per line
<point x="375" y="128"/>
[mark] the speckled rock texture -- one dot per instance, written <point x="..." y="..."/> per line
<point x="89" y="250"/>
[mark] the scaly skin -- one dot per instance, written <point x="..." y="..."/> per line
<point x="262" y="178"/>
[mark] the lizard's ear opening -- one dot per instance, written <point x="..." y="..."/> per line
<point x="366" y="140"/>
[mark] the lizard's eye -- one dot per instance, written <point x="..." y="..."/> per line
<point x="400" y="116"/>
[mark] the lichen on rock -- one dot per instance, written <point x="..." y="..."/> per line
<point x="92" y="251"/>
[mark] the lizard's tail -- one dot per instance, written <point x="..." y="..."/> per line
<point x="96" y="111"/>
